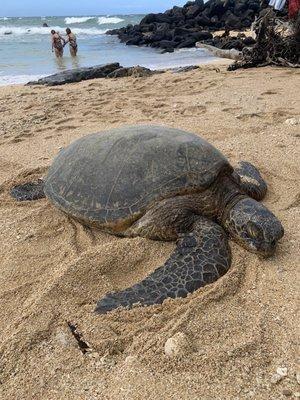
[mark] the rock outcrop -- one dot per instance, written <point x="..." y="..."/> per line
<point x="77" y="75"/>
<point x="182" y="27"/>
<point x="136" y="72"/>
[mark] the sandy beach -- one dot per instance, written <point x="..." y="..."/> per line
<point x="240" y="330"/>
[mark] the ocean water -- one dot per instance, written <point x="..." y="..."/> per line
<point x="25" y="47"/>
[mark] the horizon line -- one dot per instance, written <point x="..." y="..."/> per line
<point x="87" y="15"/>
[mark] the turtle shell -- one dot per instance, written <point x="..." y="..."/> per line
<point x="112" y="177"/>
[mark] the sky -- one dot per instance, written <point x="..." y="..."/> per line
<point x="22" y="8"/>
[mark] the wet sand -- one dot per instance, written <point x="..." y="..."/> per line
<point x="53" y="270"/>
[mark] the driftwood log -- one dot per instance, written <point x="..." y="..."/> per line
<point x="277" y="43"/>
<point x="232" y="54"/>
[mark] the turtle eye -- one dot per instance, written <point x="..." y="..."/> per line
<point x="254" y="231"/>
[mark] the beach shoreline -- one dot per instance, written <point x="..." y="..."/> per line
<point x="26" y="51"/>
<point x="53" y="270"/>
<point x="211" y="61"/>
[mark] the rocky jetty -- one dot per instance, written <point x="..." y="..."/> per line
<point x="182" y="27"/>
<point x="228" y="42"/>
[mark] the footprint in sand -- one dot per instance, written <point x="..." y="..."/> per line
<point x="22" y="136"/>
<point x="24" y="94"/>
<point x="64" y="120"/>
<point x="295" y="202"/>
<point x="29" y="107"/>
<point x="39" y="130"/>
<point x="249" y="116"/>
<point x="66" y="127"/>
<point x="86" y="113"/>
<point x="268" y="92"/>
<point x="96" y="84"/>
<point x="158" y="105"/>
<point x="193" y="111"/>
<point x="273" y="117"/>
<point x="231" y="110"/>
<point x="16" y="140"/>
<point x="55" y="105"/>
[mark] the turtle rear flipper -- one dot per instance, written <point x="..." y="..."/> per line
<point x="28" y="191"/>
<point x="200" y="258"/>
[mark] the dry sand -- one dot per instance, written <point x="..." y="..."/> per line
<point x="53" y="270"/>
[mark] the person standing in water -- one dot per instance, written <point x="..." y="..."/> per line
<point x="57" y="43"/>
<point x="71" y="39"/>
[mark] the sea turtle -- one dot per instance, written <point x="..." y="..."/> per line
<point x="163" y="184"/>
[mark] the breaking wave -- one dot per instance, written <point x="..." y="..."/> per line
<point x="34" y="30"/>
<point x="18" y="79"/>
<point x="77" y="20"/>
<point x="109" y="20"/>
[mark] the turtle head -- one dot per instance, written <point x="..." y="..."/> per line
<point x="253" y="226"/>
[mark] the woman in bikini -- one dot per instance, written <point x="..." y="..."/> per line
<point x="57" y="44"/>
<point x="71" y="39"/>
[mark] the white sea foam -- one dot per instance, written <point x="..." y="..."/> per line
<point x="36" y="30"/>
<point x="109" y="20"/>
<point x="77" y="20"/>
<point x="4" y="18"/>
<point x="18" y="79"/>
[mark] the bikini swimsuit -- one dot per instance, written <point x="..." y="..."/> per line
<point x="73" y="43"/>
<point x="57" y="44"/>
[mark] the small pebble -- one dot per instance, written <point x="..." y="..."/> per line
<point x="292" y="121"/>
<point x="282" y="371"/>
<point x="130" y="360"/>
<point x="297" y="395"/>
<point x="107" y="361"/>
<point x="178" y="345"/>
<point x="276" y="378"/>
<point x="298" y="377"/>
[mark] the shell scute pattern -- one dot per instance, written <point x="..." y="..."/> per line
<point x="114" y="175"/>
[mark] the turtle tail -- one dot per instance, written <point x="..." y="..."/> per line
<point x="200" y="258"/>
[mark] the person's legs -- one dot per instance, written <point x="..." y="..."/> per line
<point x="59" y="52"/>
<point x="73" y="51"/>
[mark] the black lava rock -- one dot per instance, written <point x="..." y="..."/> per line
<point x="183" y="26"/>
<point x="77" y="75"/>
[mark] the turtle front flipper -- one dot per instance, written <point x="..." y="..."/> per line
<point x="28" y="191"/>
<point x="250" y="180"/>
<point x="201" y="257"/>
